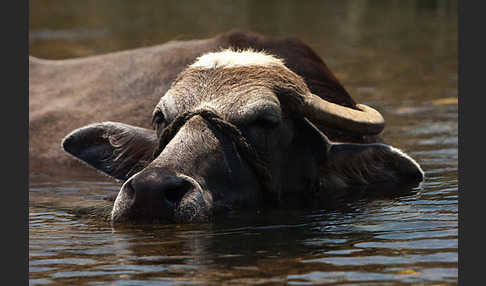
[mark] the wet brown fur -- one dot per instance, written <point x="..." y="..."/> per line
<point x="207" y="84"/>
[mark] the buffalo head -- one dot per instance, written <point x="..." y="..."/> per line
<point x="236" y="129"/>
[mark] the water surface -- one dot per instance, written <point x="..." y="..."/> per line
<point x="398" y="56"/>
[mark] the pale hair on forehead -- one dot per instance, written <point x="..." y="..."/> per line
<point x="229" y="58"/>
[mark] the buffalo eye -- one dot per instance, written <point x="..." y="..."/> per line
<point x="157" y="118"/>
<point x="266" y="121"/>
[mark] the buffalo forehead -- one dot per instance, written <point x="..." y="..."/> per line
<point x="230" y="82"/>
<point x="233" y="98"/>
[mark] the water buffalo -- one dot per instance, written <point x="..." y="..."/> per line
<point x="239" y="120"/>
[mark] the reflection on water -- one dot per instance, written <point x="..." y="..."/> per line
<point x="399" y="56"/>
<point x="411" y="238"/>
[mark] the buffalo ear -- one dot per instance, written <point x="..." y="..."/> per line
<point x="366" y="164"/>
<point x="117" y="149"/>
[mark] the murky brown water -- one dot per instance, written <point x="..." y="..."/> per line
<point x="399" y="56"/>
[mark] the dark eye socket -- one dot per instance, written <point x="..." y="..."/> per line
<point x="266" y="121"/>
<point x="157" y="118"/>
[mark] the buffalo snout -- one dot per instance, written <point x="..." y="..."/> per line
<point x="152" y="194"/>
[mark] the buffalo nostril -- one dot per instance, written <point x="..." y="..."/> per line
<point x="177" y="192"/>
<point x="158" y="189"/>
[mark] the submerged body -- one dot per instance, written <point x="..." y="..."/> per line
<point x="233" y="128"/>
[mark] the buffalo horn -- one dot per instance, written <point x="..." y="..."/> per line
<point x="365" y="121"/>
